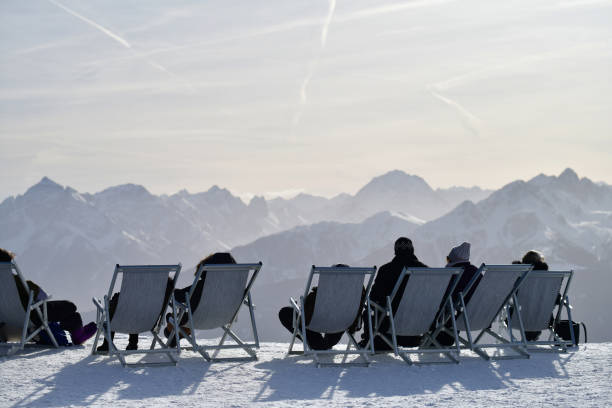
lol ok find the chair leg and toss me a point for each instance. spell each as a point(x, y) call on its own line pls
point(246, 348)
point(225, 330)
point(46, 324)
point(294, 334)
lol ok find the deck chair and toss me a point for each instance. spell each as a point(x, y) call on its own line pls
point(537, 298)
point(425, 303)
point(495, 291)
point(226, 288)
point(139, 309)
point(337, 304)
point(14, 318)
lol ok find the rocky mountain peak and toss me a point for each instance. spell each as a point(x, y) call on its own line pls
point(569, 176)
point(46, 186)
point(395, 180)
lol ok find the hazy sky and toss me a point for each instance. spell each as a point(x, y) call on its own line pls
point(316, 96)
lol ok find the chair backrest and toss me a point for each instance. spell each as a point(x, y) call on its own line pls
point(338, 297)
point(537, 297)
point(141, 297)
point(422, 297)
point(495, 288)
point(225, 288)
point(12, 312)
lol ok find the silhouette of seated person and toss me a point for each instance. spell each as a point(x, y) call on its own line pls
point(133, 337)
point(384, 283)
point(63, 312)
point(180, 295)
point(535, 258)
point(316, 340)
point(459, 257)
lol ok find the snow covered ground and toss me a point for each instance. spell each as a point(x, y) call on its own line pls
point(72, 377)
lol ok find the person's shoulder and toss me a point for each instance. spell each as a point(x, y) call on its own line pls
point(540, 266)
point(415, 263)
point(470, 267)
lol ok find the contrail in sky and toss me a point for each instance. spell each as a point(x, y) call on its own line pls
point(312, 66)
point(123, 42)
point(471, 122)
point(93, 24)
point(330, 15)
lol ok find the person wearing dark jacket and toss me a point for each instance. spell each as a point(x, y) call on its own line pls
point(181, 294)
point(316, 340)
point(133, 337)
point(536, 259)
point(384, 283)
point(459, 257)
point(63, 312)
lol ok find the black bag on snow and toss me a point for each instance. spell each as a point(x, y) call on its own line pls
point(563, 328)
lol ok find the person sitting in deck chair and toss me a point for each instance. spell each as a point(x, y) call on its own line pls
point(63, 312)
point(316, 340)
point(535, 258)
point(384, 283)
point(459, 257)
point(180, 294)
point(133, 337)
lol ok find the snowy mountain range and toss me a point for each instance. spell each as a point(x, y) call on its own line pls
point(567, 218)
point(69, 242)
point(55, 228)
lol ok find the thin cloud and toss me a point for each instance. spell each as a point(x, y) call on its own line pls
point(393, 8)
point(583, 3)
point(294, 25)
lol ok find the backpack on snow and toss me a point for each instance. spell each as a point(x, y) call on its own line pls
point(563, 328)
point(58, 333)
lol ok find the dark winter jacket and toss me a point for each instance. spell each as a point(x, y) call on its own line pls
point(540, 266)
point(217, 258)
point(387, 277)
point(469, 271)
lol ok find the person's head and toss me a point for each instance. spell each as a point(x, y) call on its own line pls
point(459, 254)
point(6, 255)
point(403, 246)
point(533, 257)
point(217, 258)
point(340, 266)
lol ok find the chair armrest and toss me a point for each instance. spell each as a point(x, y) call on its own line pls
point(98, 304)
point(566, 303)
point(294, 304)
point(39, 303)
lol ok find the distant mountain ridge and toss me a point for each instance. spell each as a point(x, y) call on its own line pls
point(395, 191)
point(55, 228)
point(70, 241)
point(553, 214)
point(568, 218)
